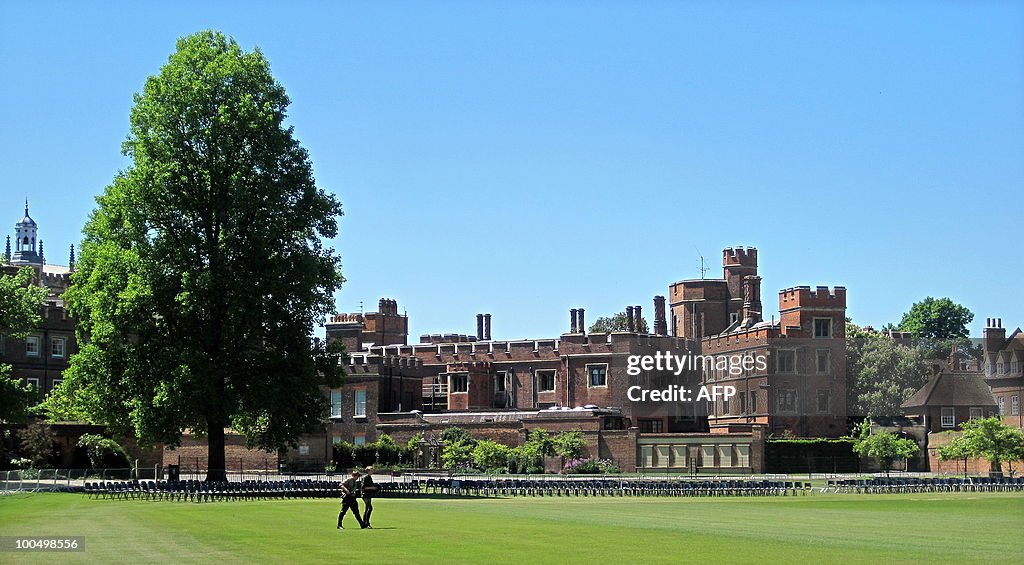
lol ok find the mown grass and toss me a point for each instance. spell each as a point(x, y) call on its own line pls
point(926, 528)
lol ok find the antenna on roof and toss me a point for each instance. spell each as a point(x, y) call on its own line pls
point(703, 269)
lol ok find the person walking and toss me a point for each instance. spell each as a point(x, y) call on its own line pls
point(349, 499)
point(369, 491)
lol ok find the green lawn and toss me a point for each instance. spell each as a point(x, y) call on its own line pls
point(808, 530)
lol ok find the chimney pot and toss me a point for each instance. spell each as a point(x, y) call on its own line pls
point(630, 322)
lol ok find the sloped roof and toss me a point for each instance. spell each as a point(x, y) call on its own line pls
point(952, 389)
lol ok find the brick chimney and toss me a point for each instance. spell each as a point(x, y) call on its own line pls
point(487, 327)
point(660, 325)
point(630, 322)
point(479, 326)
point(573, 328)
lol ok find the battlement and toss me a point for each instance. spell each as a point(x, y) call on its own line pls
point(742, 256)
point(446, 338)
point(804, 297)
point(387, 307)
point(346, 318)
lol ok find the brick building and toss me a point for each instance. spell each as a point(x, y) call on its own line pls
point(40, 358)
point(1004, 370)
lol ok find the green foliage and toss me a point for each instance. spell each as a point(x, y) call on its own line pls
point(457, 455)
point(454, 434)
point(937, 318)
point(342, 455)
point(884, 446)
point(881, 374)
point(526, 458)
point(616, 323)
point(388, 452)
point(38, 445)
point(203, 272)
point(365, 454)
point(989, 439)
point(20, 303)
point(103, 452)
point(490, 456)
point(570, 444)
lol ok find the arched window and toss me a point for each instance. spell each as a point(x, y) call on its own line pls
point(25, 245)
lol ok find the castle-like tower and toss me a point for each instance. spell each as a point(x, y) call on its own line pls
point(25, 233)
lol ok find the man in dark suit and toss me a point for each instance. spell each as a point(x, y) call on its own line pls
point(369, 491)
point(350, 491)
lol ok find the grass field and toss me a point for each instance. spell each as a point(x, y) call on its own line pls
point(928, 528)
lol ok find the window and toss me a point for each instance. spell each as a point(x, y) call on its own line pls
point(787, 401)
point(499, 381)
point(336, 404)
point(335, 439)
point(303, 449)
point(707, 456)
point(977, 413)
point(57, 347)
point(32, 382)
point(734, 317)
point(459, 382)
point(1001, 367)
point(824, 361)
point(360, 411)
point(785, 361)
point(359, 439)
point(546, 380)
point(725, 456)
point(743, 402)
point(742, 455)
point(32, 346)
point(753, 402)
point(1002, 405)
point(56, 383)
point(1014, 405)
point(948, 417)
point(725, 407)
point(824, 398)
point(650, 426)
point(822, 327)
point(598, 375)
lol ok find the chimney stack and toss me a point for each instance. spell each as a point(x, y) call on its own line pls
point(660, 325)
point(636, 319)
point(487, 327)
point(479, 326)
point(572, 316)
point(630, 323)
point(583, 325)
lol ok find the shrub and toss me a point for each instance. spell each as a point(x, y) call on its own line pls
point(342, 458)
point(590, 466)
point(570, 444)
point(490, 456)
point(457, 455)
point(103, 452)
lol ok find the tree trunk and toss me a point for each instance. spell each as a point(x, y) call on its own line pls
point(215, 464)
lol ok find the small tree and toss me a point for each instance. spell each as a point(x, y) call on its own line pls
point(616, 323)
point(884, 446)
point(937, 318)
point(457, 455)
point(20, 303)
point(490, 456)
point(989, 439)
point(343, 455)
point(570, 444)
point(103, 452)
point(38, 444)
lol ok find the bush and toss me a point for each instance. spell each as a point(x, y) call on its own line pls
point(388, 452)
point(457, 455)
point(570, 444)
point(590, 466)
point(343, 455)
point(490, 456)
point(38, 444)
point(365, 454)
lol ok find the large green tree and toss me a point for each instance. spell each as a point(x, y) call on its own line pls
point(616, 323)
point(937, 318)
point(884, 446)
point(21, 301)
point(203, 273)
point(880, 373)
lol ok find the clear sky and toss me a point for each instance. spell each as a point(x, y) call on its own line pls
point(525, 158)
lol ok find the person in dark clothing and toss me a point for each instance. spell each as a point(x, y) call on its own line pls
point(369, 491)
point(349, 499)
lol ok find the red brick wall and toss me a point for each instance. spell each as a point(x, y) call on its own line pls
point(193, 452)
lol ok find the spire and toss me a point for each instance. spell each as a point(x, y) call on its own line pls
point(41, 256)
point(26, 206)
point(7, 254)
point(71, 262)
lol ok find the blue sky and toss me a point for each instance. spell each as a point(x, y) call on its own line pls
point(525, 158)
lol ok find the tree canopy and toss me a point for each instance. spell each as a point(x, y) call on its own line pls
point(936, 318)
point(20, 303)
point(884, 446)
point(616, 323)
point(881, 374)
point(203, 272)
point(986, 438)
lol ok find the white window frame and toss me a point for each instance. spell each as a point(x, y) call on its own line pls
point(976, 412)
point(590, 380)
point(1001, 404)
point(947, 416)
point(778, 401)
point(33, 382)
point(63, 341)
point(56, 383)
point(1014, 405)
point(554, 380)
point(359, 411)
point(33, 349)
point(336, 399)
